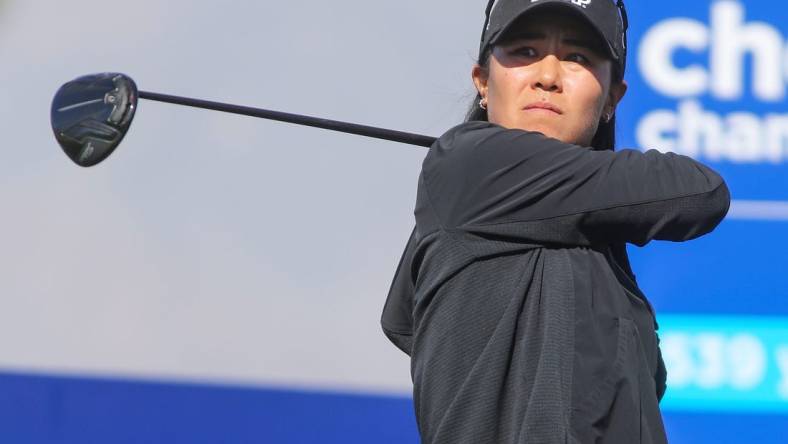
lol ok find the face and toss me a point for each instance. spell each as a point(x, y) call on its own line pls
point(549, 75)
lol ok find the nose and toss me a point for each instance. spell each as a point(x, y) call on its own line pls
point(548, 74)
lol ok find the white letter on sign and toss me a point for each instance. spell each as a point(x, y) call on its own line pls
point(656, 57)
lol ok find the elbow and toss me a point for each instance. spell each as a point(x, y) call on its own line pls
point(691, 217)
point(717, 203)
point(708, 211)
point(720, 203)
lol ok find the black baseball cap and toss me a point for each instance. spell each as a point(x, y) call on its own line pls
point(607, 17)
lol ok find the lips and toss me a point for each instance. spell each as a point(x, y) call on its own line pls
point(546, 106)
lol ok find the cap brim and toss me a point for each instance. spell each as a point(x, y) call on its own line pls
point(562, 6)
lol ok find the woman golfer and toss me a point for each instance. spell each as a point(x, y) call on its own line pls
point(514, 296)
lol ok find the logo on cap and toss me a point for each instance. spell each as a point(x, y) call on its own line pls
point(581, 3)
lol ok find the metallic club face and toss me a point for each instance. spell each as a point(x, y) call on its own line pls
point(91, 114)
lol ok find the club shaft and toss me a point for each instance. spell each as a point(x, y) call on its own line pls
point(345, 127)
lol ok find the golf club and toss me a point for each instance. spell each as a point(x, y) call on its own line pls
point(91, 115)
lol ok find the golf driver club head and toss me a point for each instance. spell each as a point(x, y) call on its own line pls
point(91, 114)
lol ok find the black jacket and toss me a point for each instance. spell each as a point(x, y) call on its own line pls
point(514, 296)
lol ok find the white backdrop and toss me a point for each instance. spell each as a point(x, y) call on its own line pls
point(214, 247)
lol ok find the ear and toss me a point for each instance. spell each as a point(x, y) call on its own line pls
point(480, 77)
point(617, 91)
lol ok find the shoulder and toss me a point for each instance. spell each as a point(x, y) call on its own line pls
point(468, 134)
point(466, 129)
point(471, 142)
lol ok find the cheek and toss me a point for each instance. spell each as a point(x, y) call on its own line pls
point(587, 95)
point(506, 84)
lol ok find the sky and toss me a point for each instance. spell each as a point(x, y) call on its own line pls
point(215, 247)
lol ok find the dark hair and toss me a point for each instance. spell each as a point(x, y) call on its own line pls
point(604, 139)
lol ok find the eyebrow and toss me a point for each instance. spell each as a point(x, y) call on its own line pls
point(573, 41)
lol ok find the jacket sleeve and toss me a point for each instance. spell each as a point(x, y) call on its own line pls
point(489, 180)
point(397, 318)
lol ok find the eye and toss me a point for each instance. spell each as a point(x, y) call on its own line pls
point(526, 51)
point(578, 58)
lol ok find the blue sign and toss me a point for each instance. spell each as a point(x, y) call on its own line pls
point(725, 363)
point(710, 80)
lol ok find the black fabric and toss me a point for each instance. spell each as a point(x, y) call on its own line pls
point(514, 296)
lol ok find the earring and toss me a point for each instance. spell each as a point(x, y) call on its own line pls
point(608, 116)
point(483, 103)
